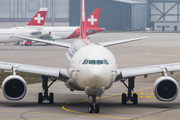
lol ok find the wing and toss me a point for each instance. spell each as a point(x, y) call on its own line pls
point(120, 41)
point(146, 70)
point(62, 44)
point(58, 73)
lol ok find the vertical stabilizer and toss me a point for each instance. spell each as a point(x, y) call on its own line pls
point(93, 19)
point(39, 18)
point(83, 21)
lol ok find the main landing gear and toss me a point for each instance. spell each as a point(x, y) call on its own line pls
point(129, 97)
point(44, 96)
point(93, 107)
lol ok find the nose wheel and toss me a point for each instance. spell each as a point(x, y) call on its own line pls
point(129, 97)
point(93, 107)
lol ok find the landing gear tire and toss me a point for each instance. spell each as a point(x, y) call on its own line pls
point(44, 96)
point(90, 109)
point(135, 99)
point(124, 99)
point(96, 108)
point(51, 98)
point(40, 98)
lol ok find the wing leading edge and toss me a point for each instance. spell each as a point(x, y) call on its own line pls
point(58, 73)
point(146, 70)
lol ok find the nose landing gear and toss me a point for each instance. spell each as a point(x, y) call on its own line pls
point(129, 97)
point(93, 107)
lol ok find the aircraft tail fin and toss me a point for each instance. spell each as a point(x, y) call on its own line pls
point(39, 18)
point(83, 21)
point(93, 19)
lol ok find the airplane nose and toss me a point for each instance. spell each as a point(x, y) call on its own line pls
point(96, 71)
point(96, 76)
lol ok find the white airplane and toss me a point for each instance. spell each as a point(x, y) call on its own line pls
point(33, 29)
point(91, 68)
point(74, 32)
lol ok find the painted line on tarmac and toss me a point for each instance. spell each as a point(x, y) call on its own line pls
point(142, 95)
point(103, 116)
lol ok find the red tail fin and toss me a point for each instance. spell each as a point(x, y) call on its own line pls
point(83, 21)
point(93, 19)
point(39, 18)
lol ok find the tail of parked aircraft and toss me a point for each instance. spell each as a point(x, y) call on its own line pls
point(39, 19)
point(83, 21)
point(93, 19)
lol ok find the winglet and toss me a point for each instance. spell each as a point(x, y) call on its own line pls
point(93, 19)
point(83, 21)
point(38, 19)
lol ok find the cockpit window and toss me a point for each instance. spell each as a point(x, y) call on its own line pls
point(92, 62)
point(99, 62)
point(106, 62)
point(85, 61)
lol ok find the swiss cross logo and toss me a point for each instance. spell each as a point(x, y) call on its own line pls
point(92, 20)
point(39, 18)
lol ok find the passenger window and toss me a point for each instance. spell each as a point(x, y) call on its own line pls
point(106, 62)
point(99, 62)
point(92, 62)
point(85, 61)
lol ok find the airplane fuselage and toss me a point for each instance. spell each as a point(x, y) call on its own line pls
point(8, 35)
point(92, 68)
point(69, 32)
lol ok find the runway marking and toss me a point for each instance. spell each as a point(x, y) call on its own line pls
point(104, 116)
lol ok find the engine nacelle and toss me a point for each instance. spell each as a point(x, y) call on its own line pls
point(166, 88)
point(14, 87)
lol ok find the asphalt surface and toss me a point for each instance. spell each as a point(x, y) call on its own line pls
point(159, 48)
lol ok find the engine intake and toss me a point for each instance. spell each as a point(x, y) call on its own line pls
point(166, 88)
point(14, 87)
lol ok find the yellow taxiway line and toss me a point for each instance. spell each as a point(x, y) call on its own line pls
point(103, 116)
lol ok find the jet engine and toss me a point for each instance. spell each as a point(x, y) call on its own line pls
point(166, 88)
point(14, 87)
